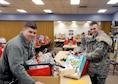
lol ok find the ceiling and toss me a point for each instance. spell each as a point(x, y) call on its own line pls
point(59, 7)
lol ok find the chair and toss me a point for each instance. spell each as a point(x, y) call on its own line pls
point(115, 67)
point(114, 61)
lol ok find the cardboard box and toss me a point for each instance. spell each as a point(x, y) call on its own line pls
point(47, 79)
point(66, 72)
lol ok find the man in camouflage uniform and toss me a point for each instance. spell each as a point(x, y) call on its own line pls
point(97, 53)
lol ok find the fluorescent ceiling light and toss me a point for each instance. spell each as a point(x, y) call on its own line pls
point(74, 2)
point(47, 11)
point(102, 10)
point(73, 21)
point(38, 2)
point(112, 2)
point(21, 10)
point(4, 2)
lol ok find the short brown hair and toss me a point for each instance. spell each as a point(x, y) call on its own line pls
point(31, 24)
point(93, 23)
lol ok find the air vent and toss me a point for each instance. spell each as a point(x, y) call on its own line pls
point(82, 6)
point(115, 6)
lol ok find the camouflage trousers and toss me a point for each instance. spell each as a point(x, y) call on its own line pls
point(97, 80)
point(9, 82)
point(4, 82)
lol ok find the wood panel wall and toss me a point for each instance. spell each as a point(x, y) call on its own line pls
point(46, 28)
point(9, 29)
point(106, 26)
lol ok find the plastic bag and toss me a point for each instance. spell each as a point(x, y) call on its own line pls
point(47, 58)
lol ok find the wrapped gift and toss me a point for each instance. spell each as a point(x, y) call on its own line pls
point(67, 41)
point(77, 63)
point(74, 42)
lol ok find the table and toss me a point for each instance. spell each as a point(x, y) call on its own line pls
point(63, 80)
point(69, 46)
point(59, 42)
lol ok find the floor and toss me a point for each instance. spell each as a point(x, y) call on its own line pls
point(111, 79)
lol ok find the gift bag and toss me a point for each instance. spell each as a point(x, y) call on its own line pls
point(40, 70)
point(40, 65)
point(77, 63)
point(46, 69)
point(45, 66)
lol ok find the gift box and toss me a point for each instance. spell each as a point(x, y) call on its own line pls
point(47, 79)
point(77, 63)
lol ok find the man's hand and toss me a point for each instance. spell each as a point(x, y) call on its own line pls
point(39, 83)
point(84, 53)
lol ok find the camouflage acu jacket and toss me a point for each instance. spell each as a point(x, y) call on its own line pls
point(98, 54)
